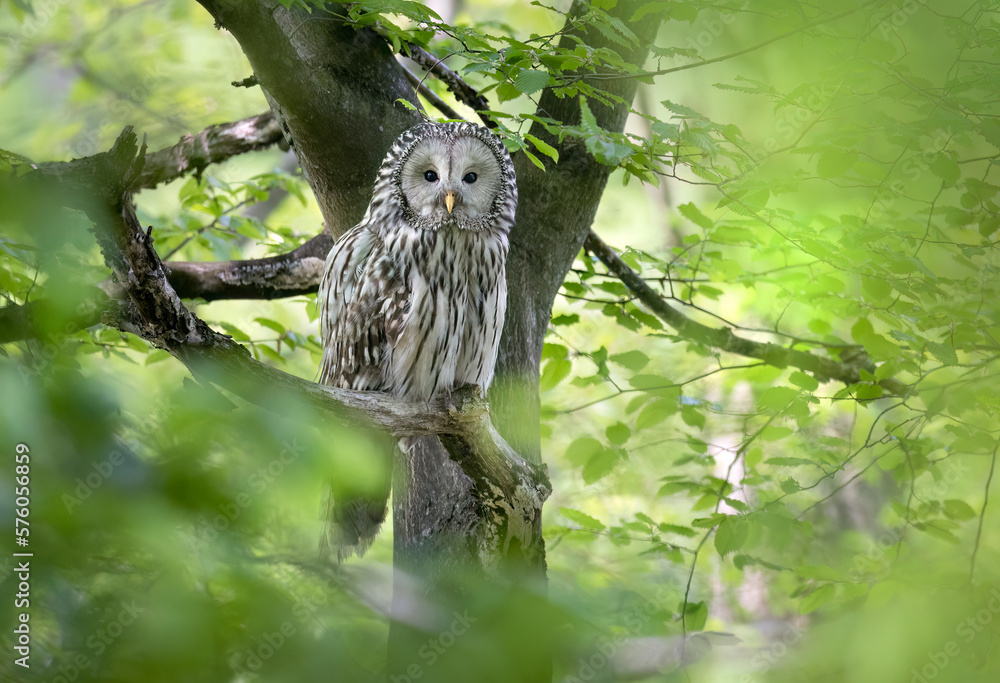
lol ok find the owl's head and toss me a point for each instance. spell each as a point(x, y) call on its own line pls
point(453, 173)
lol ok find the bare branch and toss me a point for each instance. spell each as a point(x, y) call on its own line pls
point(724, 339)
point(291, 274)
point(463, 92)
point(431, 96)
point(296, 272)
point(212, 145)
point(982, 515)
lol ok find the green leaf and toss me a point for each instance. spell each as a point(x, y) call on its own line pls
point(266, 350)
point(801, 379)
point(945, 167)
point(507, 91)
point(816, 599)
point(943, 352)
point(709, 522)
point(533, 159)
point(235, 332)
point(788, 462)
point(958, 509)
point(684, 531)
point(790, 486)
point(554, 372)
point(692, 416)
point(773, 433)
point(583, 449)
point(618, 433)
point(868, 392)
point(835, 162)
point(935, 529)
point(731, 534)
point(694, 214)
point(600, 465)
point(270, 324)
point(571, 319)
point(581, 519)
point(990, 129)
point(695, 615)
point(543, 147)
point(777, 399)
point(633, 360)
point(530, 81)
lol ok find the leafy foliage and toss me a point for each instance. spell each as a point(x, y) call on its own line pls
point(822, 179)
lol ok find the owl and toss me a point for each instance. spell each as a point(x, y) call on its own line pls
point(412, 299)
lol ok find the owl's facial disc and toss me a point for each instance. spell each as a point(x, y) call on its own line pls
point(451, 180)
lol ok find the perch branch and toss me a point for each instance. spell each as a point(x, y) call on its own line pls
point(823, 369)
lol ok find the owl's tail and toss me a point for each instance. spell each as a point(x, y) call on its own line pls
point(354, 517)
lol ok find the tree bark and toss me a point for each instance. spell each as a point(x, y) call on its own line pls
point(556, 209)
point(334, 91)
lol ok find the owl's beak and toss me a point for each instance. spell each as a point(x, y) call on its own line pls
point(449, 200)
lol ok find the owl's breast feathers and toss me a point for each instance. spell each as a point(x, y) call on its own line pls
point(412, 312)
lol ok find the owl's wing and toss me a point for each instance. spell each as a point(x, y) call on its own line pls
point(359, 299)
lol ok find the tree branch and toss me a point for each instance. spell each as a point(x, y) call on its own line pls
point(823, 369)
point(291, 274)
point(463, 92)
point(32, 320)
point(296, 272)
point(210, 146)
point(430, 95)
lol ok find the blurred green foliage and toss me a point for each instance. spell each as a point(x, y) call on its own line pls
point(826, 181)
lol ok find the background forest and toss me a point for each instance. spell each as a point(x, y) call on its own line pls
point(771, 426)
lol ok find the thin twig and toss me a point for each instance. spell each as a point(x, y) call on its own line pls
point(982, 513)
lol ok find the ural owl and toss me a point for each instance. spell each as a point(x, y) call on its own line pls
point(412, 299)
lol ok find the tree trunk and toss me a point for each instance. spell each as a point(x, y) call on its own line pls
point(321, 79)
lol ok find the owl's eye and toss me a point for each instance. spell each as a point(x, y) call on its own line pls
point(469, 178)
point(430, 176)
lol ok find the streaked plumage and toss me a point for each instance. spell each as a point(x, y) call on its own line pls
point(412, 299)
